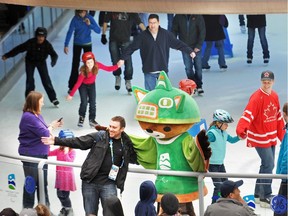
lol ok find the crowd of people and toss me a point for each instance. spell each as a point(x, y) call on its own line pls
point(262, 123)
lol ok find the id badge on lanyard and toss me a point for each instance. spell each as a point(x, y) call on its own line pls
point(114, 169)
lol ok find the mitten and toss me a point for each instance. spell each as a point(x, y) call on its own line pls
point(103, 39)
point(204, 143)
point(100, 127)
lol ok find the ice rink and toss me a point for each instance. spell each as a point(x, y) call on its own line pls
point(229, 90)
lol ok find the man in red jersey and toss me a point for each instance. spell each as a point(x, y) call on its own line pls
point(262, 123)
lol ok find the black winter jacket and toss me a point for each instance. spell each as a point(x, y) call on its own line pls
point(35, 52)
point(214, 27)
point(256, 21)
point(98, 143)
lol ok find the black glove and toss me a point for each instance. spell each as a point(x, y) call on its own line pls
point(53, 63)
point(103, 39)
point(204, 143)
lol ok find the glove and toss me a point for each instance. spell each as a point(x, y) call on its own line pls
point(204, 143)
point(53, 63)
point(99, 127)
point(103, 39)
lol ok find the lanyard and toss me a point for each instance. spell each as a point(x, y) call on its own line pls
point(112, 154)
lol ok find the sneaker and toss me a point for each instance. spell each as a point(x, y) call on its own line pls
point(257, 199)
point(117, 82)
point(56, 103)
point(265, 203)
point(81, 121)
point(243, 29)
point(249, 60)
point(223, 67)
point(266, 60)
point(206, 67)
point(128, 86)
point(93, 123)
point(200, 91)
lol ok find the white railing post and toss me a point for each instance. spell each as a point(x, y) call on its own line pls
point(41, 182)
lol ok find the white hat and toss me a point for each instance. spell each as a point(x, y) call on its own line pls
point(28, 212)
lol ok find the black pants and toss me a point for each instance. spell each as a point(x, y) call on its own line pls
point(45, 78)
point(75, 63)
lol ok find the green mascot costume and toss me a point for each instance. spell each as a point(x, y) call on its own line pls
point(165, 114)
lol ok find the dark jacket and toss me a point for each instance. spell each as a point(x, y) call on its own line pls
point(190, 30)
point(121, 25)
point(155, 53)
point(98, 143)
point(35, 52)
point(256, 21)
point(214, 27)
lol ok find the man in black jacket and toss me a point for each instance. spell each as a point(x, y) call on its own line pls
point(191, 30)
point(154, 44)
point(38, 49)
point(106, 165)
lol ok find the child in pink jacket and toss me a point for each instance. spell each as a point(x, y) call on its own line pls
point(65, 181)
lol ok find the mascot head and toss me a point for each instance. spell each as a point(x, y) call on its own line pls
point(165, 112)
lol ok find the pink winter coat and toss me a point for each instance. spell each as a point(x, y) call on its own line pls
point(64, 175)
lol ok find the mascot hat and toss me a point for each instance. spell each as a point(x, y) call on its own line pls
point(165, 104)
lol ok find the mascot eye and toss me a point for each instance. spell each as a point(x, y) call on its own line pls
point(149, 130)
point(167, 129)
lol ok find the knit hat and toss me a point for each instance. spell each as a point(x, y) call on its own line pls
point(169, 204)
point(228, 187)
point(267, 75)
point(8, 212)
point(28, 212)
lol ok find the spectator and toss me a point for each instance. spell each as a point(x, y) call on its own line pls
point(169, 205)
point(43, 210)
point(32, 127)
point(28, 212)
point(114, 206)
point(215, 34)
point(262, 123)
point(81, 24)
point(87, 89)
point(253, 22)
point(148, 195)
point(65, 180)
point(230, 203)
point(8, 212)
point(154, 44)
point(119, 39)
point(102, 174)
point(242, 23)
point(191, 30)
point(38, 49)
point(282, 162)
point(218, 136)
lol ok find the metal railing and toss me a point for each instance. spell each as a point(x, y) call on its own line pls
point(198, 175)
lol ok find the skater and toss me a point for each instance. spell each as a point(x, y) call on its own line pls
point(218, 136)
point(38, 49)
point(65, 180)
point(81, 24)
point(87, 89)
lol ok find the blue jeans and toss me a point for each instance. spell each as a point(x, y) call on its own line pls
point(220, 48)
point(197, 62)
point(263, 186)
point(92, 192)
point(31, 169)
point(44, 75)
point(64, 198)
point(241, 20)
point(76, 62)
point(150, 80)
point(217, 181)
point(116, 50)
point(263, 41)
point(87, 94)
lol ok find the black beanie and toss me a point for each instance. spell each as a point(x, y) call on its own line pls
point(169, 204)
